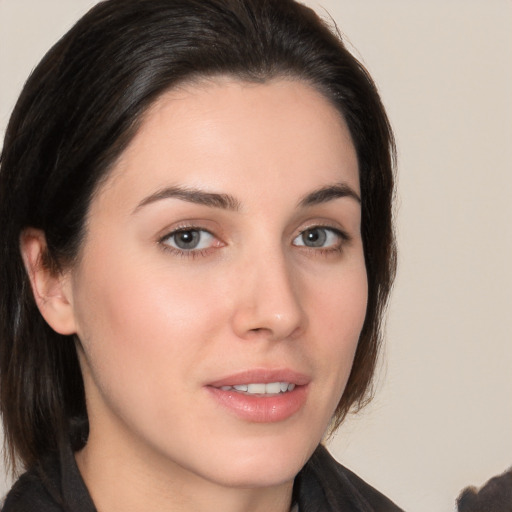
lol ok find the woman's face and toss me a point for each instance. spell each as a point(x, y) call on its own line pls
point(221, 287)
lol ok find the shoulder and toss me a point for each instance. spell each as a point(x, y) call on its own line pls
point(324, 484)
point(53, 485)
point(31, 494)
point(37, 490)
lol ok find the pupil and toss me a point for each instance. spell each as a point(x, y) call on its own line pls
point(314, 237)
point(187, 239)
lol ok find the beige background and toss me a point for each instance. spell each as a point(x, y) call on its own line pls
point(442, 418)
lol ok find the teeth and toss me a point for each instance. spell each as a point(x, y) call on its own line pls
point(272, 388)
point(256, 389)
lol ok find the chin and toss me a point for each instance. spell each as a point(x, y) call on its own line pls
point(261, 462)
point(255, 474)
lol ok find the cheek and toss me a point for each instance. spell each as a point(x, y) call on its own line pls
point(134, 321)
point(135, 291)
point(338, 312)
point(340, 302)
point(145, 338)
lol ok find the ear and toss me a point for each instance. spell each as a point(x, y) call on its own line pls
point(51, 287)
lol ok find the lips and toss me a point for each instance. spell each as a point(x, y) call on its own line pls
point(264, 376)
point(261, 396)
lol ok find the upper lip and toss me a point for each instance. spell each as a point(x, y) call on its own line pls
point(262, 375)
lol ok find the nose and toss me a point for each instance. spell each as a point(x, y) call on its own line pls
point(268, 300)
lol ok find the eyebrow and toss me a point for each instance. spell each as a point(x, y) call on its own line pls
point(229, 202)
point(193, 195)
point(329, 193)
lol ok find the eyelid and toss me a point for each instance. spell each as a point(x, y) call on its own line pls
point(342, 235)
point(325, 224)
point(193, 252)
point(188, 225)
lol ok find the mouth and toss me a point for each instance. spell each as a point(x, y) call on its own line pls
point(261, 396)
point(271, 388)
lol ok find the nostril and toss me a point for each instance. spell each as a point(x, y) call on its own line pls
point(258, 329)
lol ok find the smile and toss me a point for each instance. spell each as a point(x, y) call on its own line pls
point(271, 388)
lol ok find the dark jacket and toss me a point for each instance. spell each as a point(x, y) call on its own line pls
point(323, 485)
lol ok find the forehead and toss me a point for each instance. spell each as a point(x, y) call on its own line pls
point(227, 134)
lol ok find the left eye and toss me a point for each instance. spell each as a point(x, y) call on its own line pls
point(189, 239)
point(318, 237)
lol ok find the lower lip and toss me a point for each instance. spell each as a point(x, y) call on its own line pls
point(260, 408)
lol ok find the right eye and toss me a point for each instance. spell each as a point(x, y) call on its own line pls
point(189, 239)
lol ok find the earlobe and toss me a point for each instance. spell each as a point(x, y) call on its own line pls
point(50, 286)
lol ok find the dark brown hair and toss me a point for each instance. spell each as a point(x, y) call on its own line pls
point(79, 110)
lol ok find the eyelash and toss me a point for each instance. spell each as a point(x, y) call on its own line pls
point(343, 239)
point(195, 253)
point(190, 253)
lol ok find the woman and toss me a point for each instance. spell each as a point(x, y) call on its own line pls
point(196, 216)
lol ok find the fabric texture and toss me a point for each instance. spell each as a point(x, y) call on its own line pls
point(323, 485)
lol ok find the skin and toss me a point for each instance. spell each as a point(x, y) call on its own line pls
point(157, 324)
